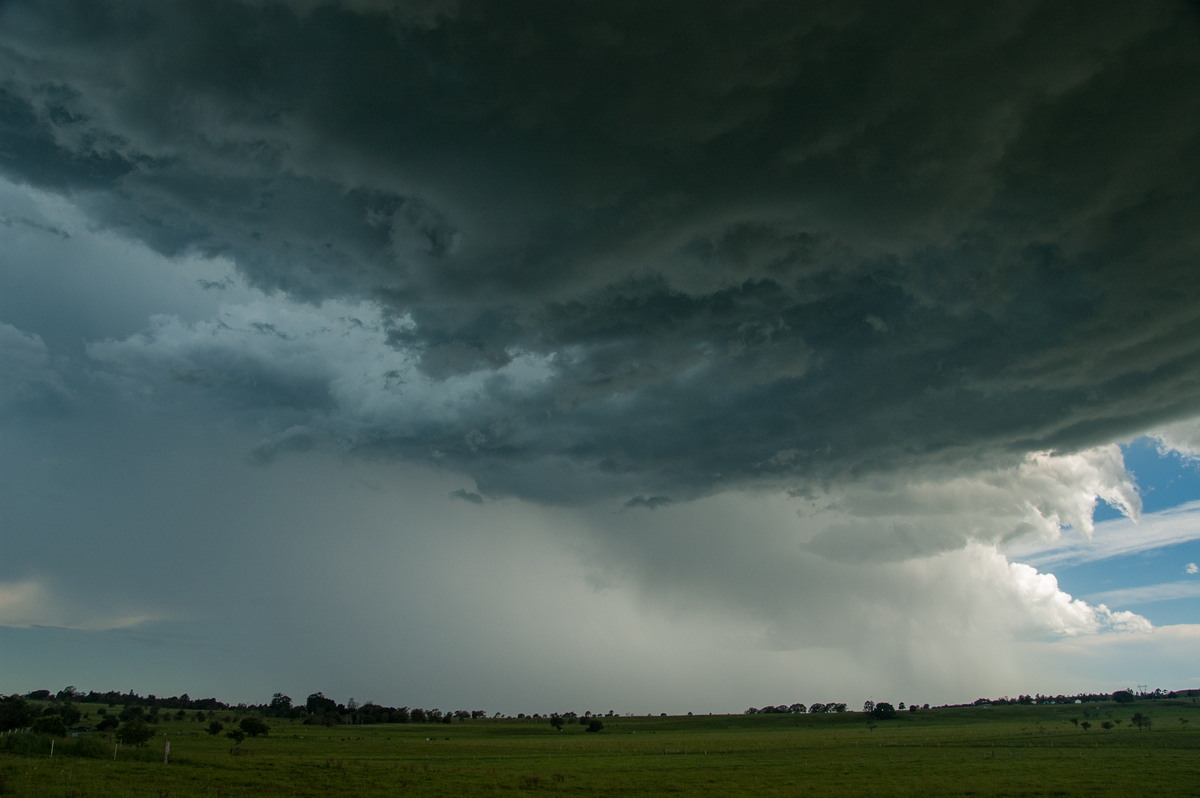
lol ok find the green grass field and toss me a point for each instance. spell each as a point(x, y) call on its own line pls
point(1004, 750)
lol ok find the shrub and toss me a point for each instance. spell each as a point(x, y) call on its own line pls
point(15, 713)
point(49, 724)
point(253, 727)
point(135, 732)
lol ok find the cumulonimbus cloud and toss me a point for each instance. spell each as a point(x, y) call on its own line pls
point(772, 247)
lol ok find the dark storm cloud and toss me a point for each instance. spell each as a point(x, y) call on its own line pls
point(291, 440)
point(752, 242)
point(31, 385)
point(466, 496)
point(648, 502)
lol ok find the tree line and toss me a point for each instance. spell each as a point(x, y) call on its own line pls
point(55, 713)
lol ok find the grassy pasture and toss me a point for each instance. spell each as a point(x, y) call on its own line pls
point(1010, 750)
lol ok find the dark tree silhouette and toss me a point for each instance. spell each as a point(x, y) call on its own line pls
point(15, 713)
point(50, 724)
point(135, 731)
point(254, 727)
point(883, 711)
point(280, 706)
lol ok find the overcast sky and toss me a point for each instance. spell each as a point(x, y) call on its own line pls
point(529, 356)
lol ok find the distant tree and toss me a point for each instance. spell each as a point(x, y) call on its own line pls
point(318, 704)
point(816, 709)
point(253, 727)
point(135, 731)
point(1085, 725)
point(107, 723)
point(237, 735)
point(69, 713)
point(868, 706)
point(280, 706)
point(215, 728)
point(594, 725)
point(1107, 725)
point(15, 713)
point(901, 707)
point(1141, 721)
point(556, 722)
point(883, 711)
point(49, 724)
point(1123, 696)
point(797, 709)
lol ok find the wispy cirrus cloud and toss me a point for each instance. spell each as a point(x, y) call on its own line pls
point(1147, 594)
point(1119, 537)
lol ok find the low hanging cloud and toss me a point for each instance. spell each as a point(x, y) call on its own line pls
point(31, 383)
point(467, 496)
point(648, 502)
